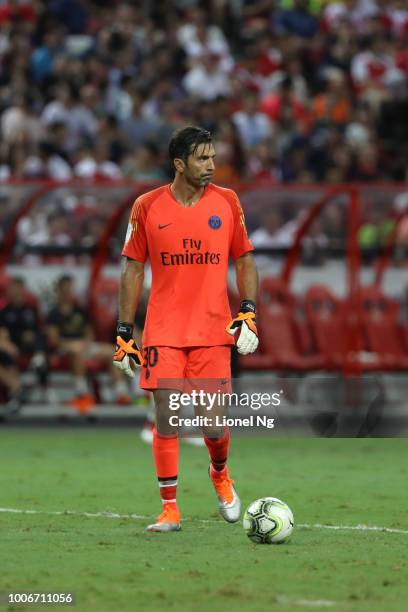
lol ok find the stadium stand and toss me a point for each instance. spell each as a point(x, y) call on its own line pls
point(90, 89)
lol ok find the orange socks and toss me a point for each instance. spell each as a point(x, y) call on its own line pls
point(165, 453)
point(218, 450)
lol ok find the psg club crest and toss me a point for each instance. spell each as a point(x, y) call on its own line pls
point(214, 222)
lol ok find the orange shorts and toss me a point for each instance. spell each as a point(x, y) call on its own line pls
point(167, 365)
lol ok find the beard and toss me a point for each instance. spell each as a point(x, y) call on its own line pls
point(204, 181)
point(198, 181)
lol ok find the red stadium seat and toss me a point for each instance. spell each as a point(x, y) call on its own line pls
point(336, 337)
point(383, 334)
point(279, 345)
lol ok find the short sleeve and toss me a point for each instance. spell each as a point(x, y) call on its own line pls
point(240, 243)
point(136, 242)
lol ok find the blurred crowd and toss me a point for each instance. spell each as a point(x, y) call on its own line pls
point(293, 90)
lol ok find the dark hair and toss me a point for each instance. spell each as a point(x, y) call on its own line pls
point(184, 142)
point(65, 278)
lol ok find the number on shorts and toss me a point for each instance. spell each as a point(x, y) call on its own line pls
point(151, 357)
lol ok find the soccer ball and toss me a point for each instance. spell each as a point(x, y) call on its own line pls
point(268, 521)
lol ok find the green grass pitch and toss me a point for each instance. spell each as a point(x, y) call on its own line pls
point(113, 564)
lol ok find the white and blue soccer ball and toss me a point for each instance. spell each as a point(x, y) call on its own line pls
point(268, 520)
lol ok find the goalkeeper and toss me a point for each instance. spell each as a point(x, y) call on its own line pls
point(188, 230)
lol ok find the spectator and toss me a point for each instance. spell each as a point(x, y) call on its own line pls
point(92, 230)
point(118, 101)
point(56, 136)
point(137, 128)
point(276, 231)
point(269, 234)
point(368, 164)
point(335, 225)
point(94, 164)
point(377, 228)
point(277, 105)
point(142, 164)
point(314, 244)
point(230, 153)
point(73, 14)
point(361, 128)
point(169, 120)
point(260, 9)
point(53, 229)
point(43, 58)
point(19, 123)
point(336, 13)
point(197, 38)
point(59, 108)
point(47, 164)
point(9, 373)
point(298, 20)
point(268, 55)
point(70, 335)
point(110, 135)
point(333, 104)
point(253, 125)
point(207, 79)
point(372, 67)
point(342, 46)
point(340, 165)
point(262, 163)
point(76, 111)
point(22, 342)
point(12, 11)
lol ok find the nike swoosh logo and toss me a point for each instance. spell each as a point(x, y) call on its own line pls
point(163, 226)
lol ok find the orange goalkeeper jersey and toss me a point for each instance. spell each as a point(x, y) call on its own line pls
point(188, 248)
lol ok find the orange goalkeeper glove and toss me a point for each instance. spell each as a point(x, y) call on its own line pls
point(127, 355)
point(245, 321)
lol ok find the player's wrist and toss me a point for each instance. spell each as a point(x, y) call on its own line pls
point(247, 306)
point(124, 330)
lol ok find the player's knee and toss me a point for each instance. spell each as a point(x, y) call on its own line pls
point(213, 432)
point(166, 421)
point(165, 429)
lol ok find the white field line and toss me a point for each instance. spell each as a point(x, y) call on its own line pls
point(316, 603)
point(75, 513)
point(142, 517)
point(353, 528)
